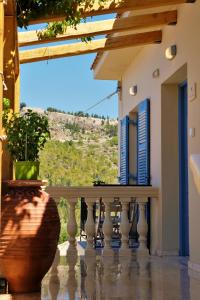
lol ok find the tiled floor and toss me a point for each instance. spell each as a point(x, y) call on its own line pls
point(118, 279)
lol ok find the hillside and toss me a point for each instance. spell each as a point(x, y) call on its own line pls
point(81, 150)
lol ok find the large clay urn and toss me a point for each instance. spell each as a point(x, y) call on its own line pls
point(30, 229)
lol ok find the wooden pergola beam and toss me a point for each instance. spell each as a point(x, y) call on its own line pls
point(28, 56)
point(11, 75)
point(9, 8)
point(103, 27)
point(112, 6)
point(1, 89)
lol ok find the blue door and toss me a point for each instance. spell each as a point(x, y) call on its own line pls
point(183, 171)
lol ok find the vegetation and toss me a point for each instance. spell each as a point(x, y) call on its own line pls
point(113, 141)
point(111, 130)
point(6, 105)
point(22, 105)
point(78, 113)
point(26, 134)
point(79, 163)
point(73, 127)
point(33, 9)
point(70, 164)
point(52, 109)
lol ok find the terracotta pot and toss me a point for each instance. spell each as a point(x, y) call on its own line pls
point(30, 229)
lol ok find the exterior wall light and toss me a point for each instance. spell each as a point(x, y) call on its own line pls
point(133, 90)
point(171, 52)
point(156, 73)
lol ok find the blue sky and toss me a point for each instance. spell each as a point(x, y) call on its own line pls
point(66, 84)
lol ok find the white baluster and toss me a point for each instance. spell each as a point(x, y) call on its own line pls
point(72, 228)
point(125, 228)
point(90, 227)
point(142, 228)
point(107, 228)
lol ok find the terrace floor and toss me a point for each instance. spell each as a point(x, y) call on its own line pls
point(118, 279)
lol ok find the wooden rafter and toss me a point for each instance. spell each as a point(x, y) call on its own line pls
point(113, 6)
point(47, 53)
point(103, 27)
point(9, 8)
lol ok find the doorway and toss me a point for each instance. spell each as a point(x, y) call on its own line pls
point(183, 170)
point(174, 154)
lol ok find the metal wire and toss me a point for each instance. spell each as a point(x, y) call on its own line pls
point(102, 100)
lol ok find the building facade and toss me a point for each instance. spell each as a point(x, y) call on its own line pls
point(159, 110)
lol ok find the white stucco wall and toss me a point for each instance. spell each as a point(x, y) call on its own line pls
point(186, 35)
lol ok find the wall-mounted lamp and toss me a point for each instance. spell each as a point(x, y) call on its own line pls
point(156, 73)
point(171, 52)
point(133, 90)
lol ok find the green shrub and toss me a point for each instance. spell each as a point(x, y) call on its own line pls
point(111, 130)
point(73, 127)
point(69, 164)
point(113, 141)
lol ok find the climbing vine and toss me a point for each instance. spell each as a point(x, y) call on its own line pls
point(30, 10)
point(53, 29)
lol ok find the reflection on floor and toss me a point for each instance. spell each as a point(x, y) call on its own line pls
point(117, 278)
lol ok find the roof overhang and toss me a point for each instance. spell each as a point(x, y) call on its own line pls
point(110, 65)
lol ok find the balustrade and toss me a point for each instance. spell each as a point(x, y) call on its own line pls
point(108, 196)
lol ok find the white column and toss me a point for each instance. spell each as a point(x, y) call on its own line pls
point(125, 228)
point(72, 227)
point(90, 227)
point(142, 228)
point(107, 228)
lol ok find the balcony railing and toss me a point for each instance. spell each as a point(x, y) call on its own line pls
point(108, 196)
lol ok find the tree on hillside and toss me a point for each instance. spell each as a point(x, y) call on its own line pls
point(22, 105)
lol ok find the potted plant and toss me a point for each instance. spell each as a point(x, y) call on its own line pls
point(30, 222)
point(26, 135)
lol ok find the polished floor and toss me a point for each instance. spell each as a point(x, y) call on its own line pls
point(118, 279)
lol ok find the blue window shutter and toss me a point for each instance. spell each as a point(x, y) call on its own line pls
point(124, 151)
point(143, 142)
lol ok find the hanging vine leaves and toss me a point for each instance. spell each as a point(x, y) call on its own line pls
point(28, 10)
